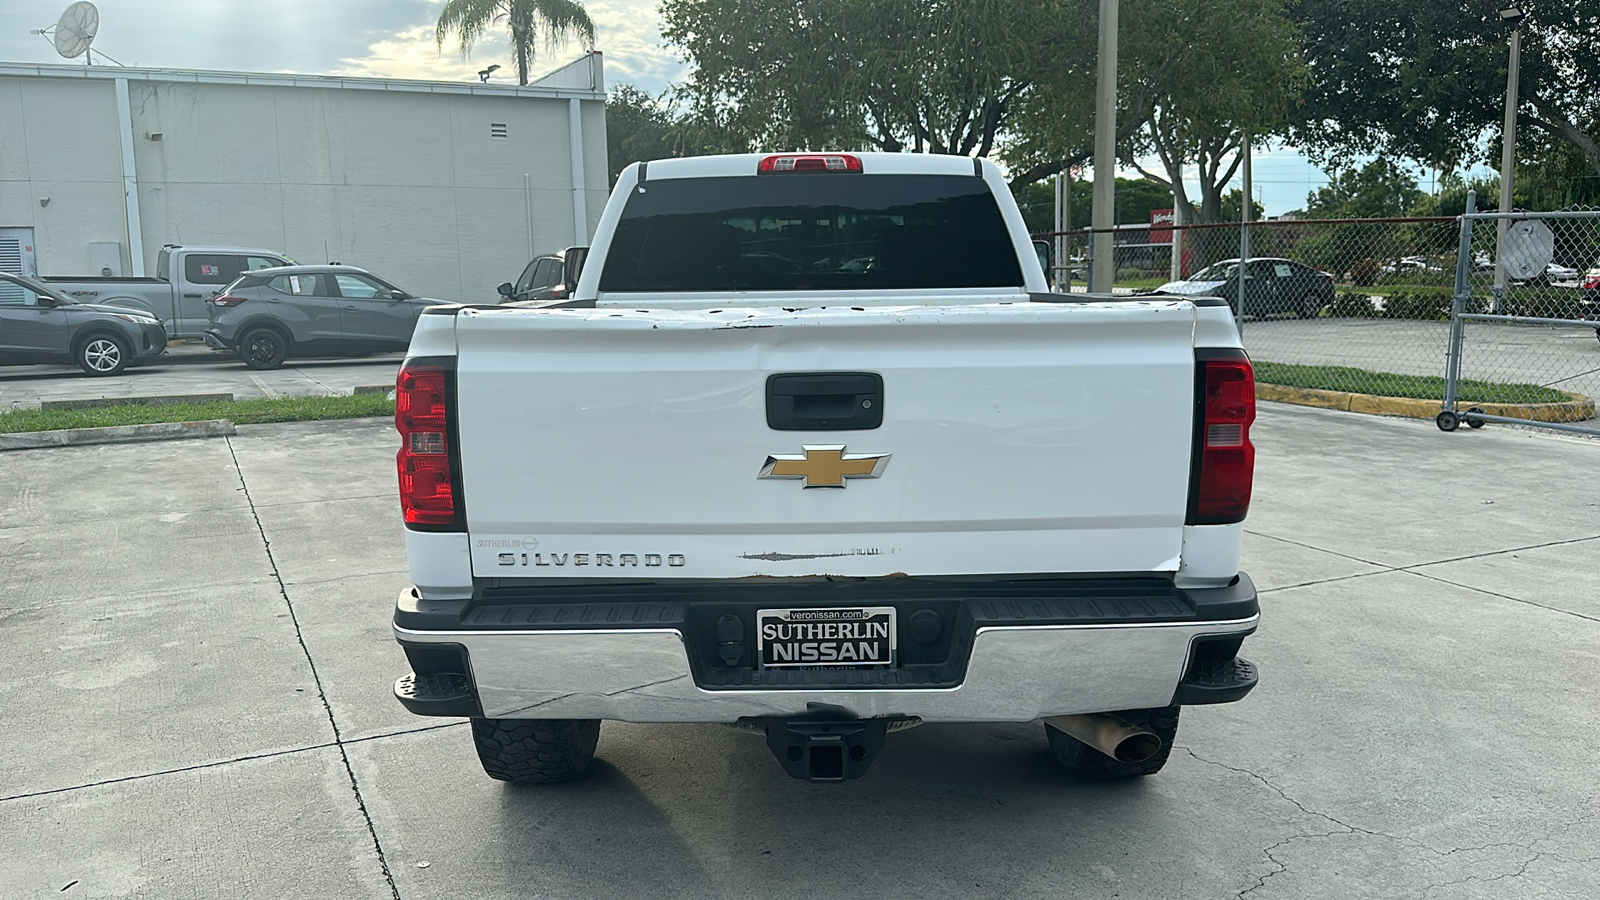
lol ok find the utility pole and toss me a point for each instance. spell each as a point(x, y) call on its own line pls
point(1508, 148)
point(1103, 268)
point(1245, 212)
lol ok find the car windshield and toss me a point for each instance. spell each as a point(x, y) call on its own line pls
point(1222, 271)
point(811, 232)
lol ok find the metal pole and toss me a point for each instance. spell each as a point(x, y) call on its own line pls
point(1061, 239)
point(1103, 269)
point(1458, 305)
point(1508, 160)
point(1176, 272)
point(1244, 229)
point(1066, 214)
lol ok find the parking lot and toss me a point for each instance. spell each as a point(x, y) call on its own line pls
point(192, 368)
point(197, 704)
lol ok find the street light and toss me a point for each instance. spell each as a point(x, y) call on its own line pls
point(483, 74)
point(1512, 17)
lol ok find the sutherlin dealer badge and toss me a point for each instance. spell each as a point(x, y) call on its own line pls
point(824, 465)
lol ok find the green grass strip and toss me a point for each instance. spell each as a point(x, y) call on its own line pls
point(240, 412)
point(1388, 384)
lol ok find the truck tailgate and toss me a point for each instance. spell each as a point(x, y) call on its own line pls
point(1023, 438)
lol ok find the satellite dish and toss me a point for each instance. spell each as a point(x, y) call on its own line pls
point(76, 29)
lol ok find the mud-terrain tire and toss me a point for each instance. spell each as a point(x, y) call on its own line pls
point(535, 751)
point(1085, 760)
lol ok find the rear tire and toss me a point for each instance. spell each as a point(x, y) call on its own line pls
point(535, 751)
point(102, 354)
point(263, 348)
point(1310, 307)
point(1085, 760)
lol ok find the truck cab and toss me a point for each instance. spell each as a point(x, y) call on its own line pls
point(186, 276)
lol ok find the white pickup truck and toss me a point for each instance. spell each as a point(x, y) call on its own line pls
point(811, 450)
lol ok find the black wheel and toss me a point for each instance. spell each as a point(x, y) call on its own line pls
point(102, 354)
point(1086, 760)
point(1310, 307)
point(1473, 422)
point(535, 751)
point(1447, 421)
point(263, 348)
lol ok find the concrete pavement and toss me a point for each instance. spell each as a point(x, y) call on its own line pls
point(197, 705)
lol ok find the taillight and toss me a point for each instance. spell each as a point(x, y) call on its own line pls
point(228, 300)
point(423, 394)
point(1224, 459)
point(809, 162)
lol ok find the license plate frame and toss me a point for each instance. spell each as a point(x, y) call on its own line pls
point(858, 628)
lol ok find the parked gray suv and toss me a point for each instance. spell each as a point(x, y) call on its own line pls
point(269, 315)
point(41, 325)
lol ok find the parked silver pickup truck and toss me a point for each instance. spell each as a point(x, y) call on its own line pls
point(186, 277)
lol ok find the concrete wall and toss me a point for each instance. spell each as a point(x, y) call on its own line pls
point(406, 183)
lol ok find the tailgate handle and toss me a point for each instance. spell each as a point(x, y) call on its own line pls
point(824, 401)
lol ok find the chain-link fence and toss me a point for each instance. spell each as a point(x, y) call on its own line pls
point(1364, 305)
point(1526, 314)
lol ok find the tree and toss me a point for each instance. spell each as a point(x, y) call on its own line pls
point(641, 127)
point(1425, 79)
point(1211, 71)
point(945, 77)
point(1136, 197)
point(1378, 190)
point(555, 20)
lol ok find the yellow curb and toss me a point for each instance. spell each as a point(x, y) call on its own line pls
point(1578, 409)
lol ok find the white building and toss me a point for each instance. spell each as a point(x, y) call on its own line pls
point(444, 188)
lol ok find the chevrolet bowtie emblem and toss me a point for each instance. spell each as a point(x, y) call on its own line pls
point(825, 465)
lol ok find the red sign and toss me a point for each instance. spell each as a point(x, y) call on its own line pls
point(1161, 222)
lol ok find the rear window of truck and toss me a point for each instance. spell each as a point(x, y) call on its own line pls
point(810, 232)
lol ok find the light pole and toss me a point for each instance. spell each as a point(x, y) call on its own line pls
point(1103, 262)
point(1512, 17)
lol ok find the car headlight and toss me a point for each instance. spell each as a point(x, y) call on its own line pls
point(137, 320)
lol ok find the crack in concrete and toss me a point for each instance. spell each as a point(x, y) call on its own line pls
point(1547, 608)
point(214, 764)
point(1280, 867)
point(316, 678)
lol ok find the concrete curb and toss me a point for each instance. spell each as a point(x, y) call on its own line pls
point(116, 434)
point(1578, 409)
point(371, 389)
point(157, 400)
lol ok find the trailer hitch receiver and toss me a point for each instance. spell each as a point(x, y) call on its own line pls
point(826, 750)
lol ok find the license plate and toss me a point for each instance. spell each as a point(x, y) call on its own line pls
point(833, 638)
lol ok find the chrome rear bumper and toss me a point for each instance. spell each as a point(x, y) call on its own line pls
point(1015, 674)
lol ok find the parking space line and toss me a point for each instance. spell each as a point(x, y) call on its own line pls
point(271, 394)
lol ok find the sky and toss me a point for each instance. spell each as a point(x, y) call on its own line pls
point(394, 39)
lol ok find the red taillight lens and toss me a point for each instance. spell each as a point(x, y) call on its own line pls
point(227, 300)
point(809, 162)
point(422, 398)
point(1225, 459)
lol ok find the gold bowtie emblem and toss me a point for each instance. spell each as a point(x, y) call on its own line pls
point(824, 465)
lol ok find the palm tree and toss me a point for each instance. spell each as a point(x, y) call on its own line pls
point(557, 19)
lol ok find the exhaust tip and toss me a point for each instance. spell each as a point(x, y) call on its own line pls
point(1137, 748)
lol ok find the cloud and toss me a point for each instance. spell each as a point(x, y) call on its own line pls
point(627, 32)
